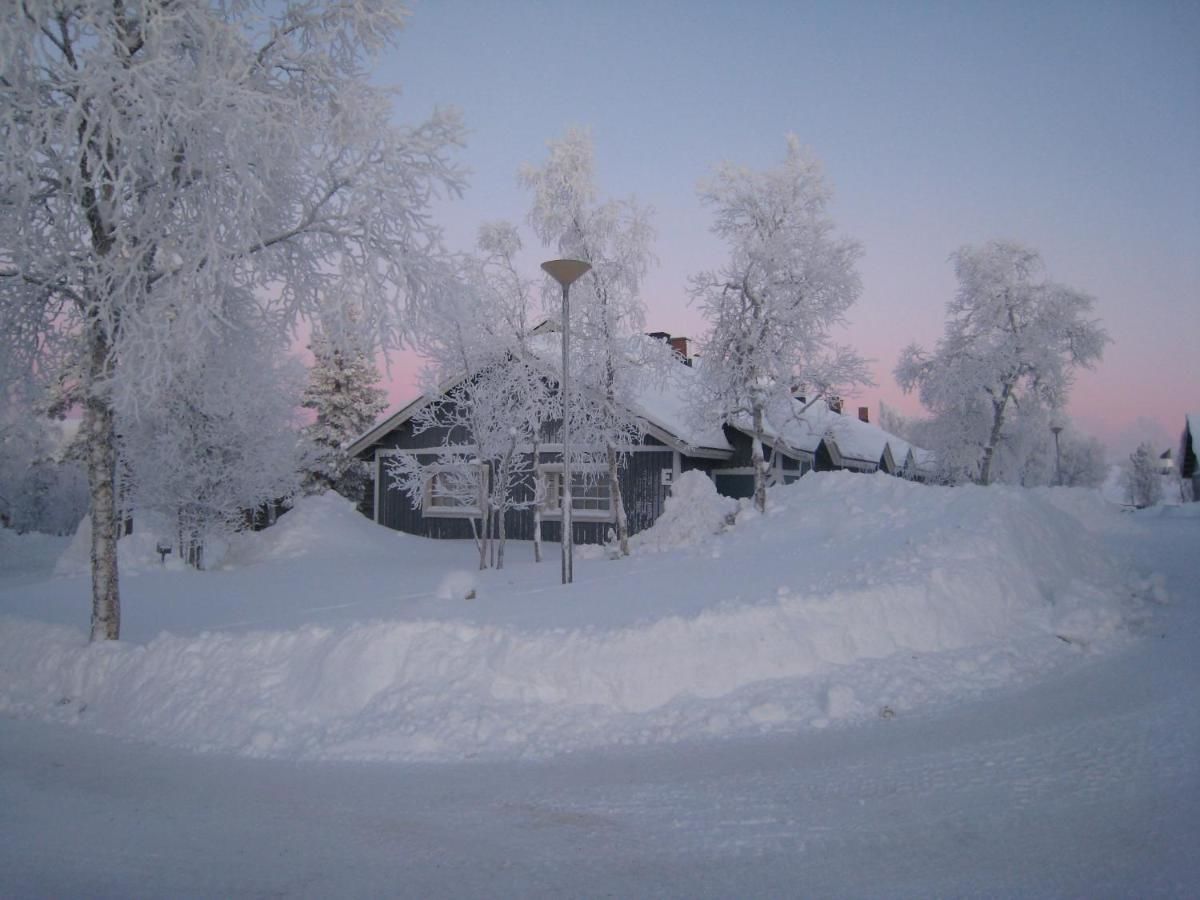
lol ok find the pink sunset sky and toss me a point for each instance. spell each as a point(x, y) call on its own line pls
point(1071, 127)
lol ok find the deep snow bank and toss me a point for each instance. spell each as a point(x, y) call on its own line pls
point(694, 514)
point(325, 525)
point(852, 594)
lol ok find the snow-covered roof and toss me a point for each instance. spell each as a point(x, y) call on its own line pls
point(854, 439)
point(395, 420)
point(661, 403)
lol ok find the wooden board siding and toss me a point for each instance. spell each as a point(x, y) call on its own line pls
point(640, 477)
point(742, 450)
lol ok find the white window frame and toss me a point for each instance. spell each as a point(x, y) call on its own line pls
point(791, 476)
point(550, 476)
point(432, 510)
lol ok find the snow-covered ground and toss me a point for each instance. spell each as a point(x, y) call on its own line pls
point(876, 689)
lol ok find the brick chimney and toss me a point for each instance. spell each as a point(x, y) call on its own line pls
point(864, 414)
point(680, 346)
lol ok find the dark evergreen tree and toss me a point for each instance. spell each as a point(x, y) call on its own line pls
point(342, 391)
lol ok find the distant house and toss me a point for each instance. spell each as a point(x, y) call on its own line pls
point(1166, 464)
point(1189, 471)
point(814, 439)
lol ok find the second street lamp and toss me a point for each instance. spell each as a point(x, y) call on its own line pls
point(566, 272)
point(1057, 429)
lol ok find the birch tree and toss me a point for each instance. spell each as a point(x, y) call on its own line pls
point(159, 160)
point(216, 441)
point(788, 281)
point(492, 418)
point(1011, 337)
point(615, 237)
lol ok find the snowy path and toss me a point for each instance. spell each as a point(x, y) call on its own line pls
point(1086, 785)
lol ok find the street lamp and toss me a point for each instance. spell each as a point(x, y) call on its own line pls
point(566, 272)
point(1057, 429)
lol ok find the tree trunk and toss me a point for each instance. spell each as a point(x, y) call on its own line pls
point(759, 462)
point(501, 536)
point(618, 500)
point(999, 408)
point(485, 519)
point(506, 489)
point(100, 428)
point(485, 523)
point(537, 506)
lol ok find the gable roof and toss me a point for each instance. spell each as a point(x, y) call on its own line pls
point(660, 404)
point(847, 437)
point(386, 426)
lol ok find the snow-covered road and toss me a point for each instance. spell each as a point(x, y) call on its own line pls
point(1087, 784)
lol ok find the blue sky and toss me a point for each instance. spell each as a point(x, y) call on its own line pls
point(1073, 127)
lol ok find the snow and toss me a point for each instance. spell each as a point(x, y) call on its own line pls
point(327, 637)
point(1078, 779)
point(661, 399)
point(664, 402)
point(693, 515)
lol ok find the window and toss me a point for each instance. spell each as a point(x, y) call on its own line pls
point(454, 491)
point(591, 494)
point(791, 475)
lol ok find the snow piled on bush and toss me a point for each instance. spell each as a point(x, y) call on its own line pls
point(325, 524)
point(853, 596)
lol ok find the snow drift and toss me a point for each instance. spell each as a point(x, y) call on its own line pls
point(852, 595)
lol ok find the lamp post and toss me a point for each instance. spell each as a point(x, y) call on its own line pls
point(1057, 429)
point(566, 272)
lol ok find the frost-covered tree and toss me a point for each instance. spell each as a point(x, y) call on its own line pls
point(615, 237)
point(1142, 478)
point(1011, 337)
point(477, 340)
point(1027, 454)
point(161, 160)
point(788, 281)
point(1084, 462)
point(342, 392)
point(216, 441)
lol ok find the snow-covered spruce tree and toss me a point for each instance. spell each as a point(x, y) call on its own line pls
point(1011, 337)
point(787, 282)
point(216, 441)
point(1141, 478)
point(476, 338)
point(615, 237)
point(342, 392)
point(159, 160)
